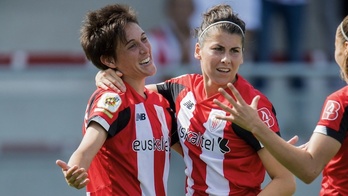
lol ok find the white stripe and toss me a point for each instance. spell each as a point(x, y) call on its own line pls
point(101, 121)
point(183, 119)
point(320, 129)
point(165, 132)
point(185, 113)
point(214, 159)
point(145, 158)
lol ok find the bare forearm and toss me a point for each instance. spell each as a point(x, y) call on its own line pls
point(296, 160)
point(81, 160)
point(279, 186)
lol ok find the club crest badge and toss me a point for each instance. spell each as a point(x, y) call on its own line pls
point(110, 102)
point(213, 124)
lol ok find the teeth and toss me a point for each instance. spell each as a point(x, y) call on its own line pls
point(145, 60)
point(223, 69)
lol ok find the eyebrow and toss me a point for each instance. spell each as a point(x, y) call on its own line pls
point(225, 46)
point(142, 34)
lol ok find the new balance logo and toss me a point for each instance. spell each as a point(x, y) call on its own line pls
point(188, 105)
point(140, 116)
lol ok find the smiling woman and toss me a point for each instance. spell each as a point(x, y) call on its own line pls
point(116, 124)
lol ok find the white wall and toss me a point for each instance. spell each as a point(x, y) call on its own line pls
point(42, 25)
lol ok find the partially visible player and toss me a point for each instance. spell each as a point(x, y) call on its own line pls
point(220, 157)
point(127, 136)
point(327, 149)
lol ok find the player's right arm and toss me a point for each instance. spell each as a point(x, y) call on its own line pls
point(306, 163)
point(110, 78)
point(75, 172)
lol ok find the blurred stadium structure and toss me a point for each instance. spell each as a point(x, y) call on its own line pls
point(46, 82)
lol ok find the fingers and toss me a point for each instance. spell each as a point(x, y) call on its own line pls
point(83, 184)
point(226, 109)
point(227, 96)
point(236, 93)
point(255, 102)
point(111, 79)
point(118, 73)
point(293, 140)
point(115, 80)
point(98, 78)
point(105, 84)
point(223, 106)
point(303, 146)
point(231, 100)
point(63, 165)
point(77, 177)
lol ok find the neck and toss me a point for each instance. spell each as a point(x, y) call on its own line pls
point(137, 85)
point(211, 88)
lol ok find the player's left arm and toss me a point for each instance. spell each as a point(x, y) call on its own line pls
point(282, 180)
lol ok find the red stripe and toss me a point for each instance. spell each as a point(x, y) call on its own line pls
point(34, 59)
point(53, 59)
point(29, 147)
point(5, 60)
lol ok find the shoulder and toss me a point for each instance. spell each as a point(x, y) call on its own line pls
point(339, 94)
point(110, 100)
point(337, 100)
point(248, 91)
point(187, 78)
point(155, 96)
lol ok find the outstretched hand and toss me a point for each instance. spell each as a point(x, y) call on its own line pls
point(110, 79)
point(241, 113)
point(75, 177)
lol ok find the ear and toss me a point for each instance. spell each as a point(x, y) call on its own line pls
point(198, 51)
point(108, 61)
point(346, 48)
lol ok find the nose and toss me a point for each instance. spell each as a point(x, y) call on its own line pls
point(226, 59)
point(144, 48)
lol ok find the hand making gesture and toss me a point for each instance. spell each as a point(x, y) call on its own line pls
point(241, 113)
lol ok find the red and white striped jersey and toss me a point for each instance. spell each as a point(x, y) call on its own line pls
point(333, 122)
point(221, 158)
point(134, 160)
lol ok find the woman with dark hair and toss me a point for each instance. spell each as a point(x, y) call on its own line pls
point(327, 150)
point(127, 136)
